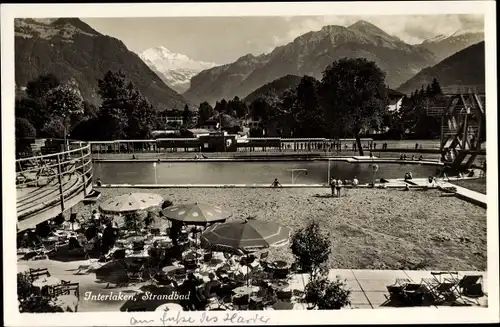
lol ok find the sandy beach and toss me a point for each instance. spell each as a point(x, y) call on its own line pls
point(370, 229)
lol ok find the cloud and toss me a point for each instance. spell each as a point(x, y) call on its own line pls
point(224, 39)
point(410, 28)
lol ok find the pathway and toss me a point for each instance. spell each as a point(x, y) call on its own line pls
point(368, 287)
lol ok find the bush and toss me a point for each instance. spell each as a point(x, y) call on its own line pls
point(30, 299)
point(327, 295)
point(311, 248)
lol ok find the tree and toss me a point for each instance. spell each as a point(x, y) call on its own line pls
point(221, 107)
point(54, 129)
point(65, 102)
point(140, 115)
point(428, 91)
point(311, 248)
point(38, 88)
point(354, 96)
point(33, 106)
point(24, 129)
point(304, 108)
point(187, 116)
point(124, 111)
point(205, 111)
point(260, 109)
point(436, 88)
point(237, 108)
point(25, 133)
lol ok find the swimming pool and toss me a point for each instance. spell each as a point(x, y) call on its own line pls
point(304, 172)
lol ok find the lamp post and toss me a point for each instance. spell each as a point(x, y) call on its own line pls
point(375, 169)
point(154, 167)
point(328, 181)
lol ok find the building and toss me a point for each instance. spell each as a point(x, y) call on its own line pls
point(395, 100)
point(211, 125)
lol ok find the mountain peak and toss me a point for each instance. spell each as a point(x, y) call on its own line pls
point(162, 57)
point(366, 27)
point(46, 28)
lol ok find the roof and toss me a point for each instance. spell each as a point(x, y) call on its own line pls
point(394, 93)
point(199, 131)
point(210, 122)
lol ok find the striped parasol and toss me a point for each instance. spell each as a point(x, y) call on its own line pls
point(131, 202)
point(247, 236)
point(196, 213)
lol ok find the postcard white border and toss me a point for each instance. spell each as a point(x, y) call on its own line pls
point(381, 316)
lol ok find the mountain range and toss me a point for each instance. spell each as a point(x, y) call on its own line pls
point(309, 54)
point(275, 88)
point(443, 46)
point(175, 69)
point(466, 67)
point(72, 50)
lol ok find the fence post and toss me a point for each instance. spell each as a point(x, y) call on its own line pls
point(84, 176)
point(59, 177)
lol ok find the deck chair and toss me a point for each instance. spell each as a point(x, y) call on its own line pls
point(135, 272)
point(37, 273)
point(92, 263)
point(442, 289)
point(470, 288)
point(67, 289)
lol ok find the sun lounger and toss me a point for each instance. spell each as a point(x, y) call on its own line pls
point(443, 287)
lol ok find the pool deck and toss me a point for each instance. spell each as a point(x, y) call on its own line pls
point(368, 287)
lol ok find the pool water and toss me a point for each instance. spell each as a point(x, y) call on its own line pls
point(303, 172)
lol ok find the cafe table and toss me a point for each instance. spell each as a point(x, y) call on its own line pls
point(279, 264)
point(169, 307)
point(46, 281)
point(245, 290)
point(280, 285)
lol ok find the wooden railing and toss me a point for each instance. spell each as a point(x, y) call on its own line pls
point(51, 180)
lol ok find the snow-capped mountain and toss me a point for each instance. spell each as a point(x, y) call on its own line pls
point(74, 52)
point(175, 69)
point(444, 45)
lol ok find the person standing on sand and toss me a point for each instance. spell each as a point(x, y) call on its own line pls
point(338, 186)
point(355, 181)
point(332, 186)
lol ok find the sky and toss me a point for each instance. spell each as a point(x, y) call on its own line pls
point(224, 39)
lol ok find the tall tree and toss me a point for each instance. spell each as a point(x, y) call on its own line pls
point(205, 111)
point(221, 106)
point(436, 88)
point(187, 116)
point(33, 105)
point(66, 102)
point(114, 106)
point(39, 87)
point(354, 96)
point(237, 108)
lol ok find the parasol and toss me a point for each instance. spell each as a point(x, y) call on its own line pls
point(196, 213)
point(131, 202)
